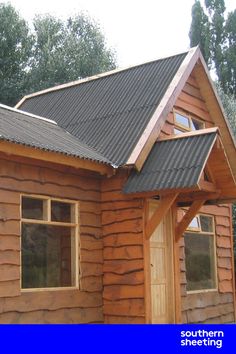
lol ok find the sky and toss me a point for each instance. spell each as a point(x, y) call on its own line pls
point(138, 30)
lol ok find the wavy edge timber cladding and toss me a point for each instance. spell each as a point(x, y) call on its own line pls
point(217, 306)
point(82, 305)
point(122, 224)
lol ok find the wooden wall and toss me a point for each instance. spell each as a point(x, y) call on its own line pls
point(215, 306)
point(218, 306)
point(122, 224)
point(82, 305)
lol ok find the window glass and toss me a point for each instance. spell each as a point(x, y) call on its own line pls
point(32, 208)
point(46, 256)
point(206, 223)
point(194, 224)
point(60, 211)
point(196, 124)
point(199, 258)
point(182, 120)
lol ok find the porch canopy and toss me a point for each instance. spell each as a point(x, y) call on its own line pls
point(194, 165)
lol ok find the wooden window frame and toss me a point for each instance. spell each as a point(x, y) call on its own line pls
point(47, 221)
point(212, 234)
point(190, 117)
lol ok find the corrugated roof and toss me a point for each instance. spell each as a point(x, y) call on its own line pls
point(172, 164)
point(109, 113)
point(25, 129)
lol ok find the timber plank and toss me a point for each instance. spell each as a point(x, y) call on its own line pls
point(131, 307)
point(118, 292)
point(134, 226)
point(9, 242)
point(9, 272)
point(124, 320)
point(121, 267)
point(52, 300)
point(123, 239)
point(126, 252)
point(133, 278)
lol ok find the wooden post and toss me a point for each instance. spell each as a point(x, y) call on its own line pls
point(159, 214)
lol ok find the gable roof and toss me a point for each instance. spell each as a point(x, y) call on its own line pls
point(109, 112)
point(26, 129)
point(173, 164)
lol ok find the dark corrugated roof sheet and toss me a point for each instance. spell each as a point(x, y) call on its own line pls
point(24, 129)
point(172, 164)
point(109, 113)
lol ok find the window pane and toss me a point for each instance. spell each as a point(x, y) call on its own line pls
point(182, 120)
point(194, 224)
point(60, 211)
point(200, 263)
point(177, 131)
point(46, 256)
point(206, 223)
point(196, 125)
point(32, 208)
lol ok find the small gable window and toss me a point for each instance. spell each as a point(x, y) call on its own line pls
point(200, 254)
point(49, 243)
point(185, 122)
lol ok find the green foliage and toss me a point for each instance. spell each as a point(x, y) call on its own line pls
point(15, 45)
point(53, 52)
point(216, 36)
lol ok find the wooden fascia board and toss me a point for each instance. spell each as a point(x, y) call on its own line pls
point(161, 211)
point(216, 110)
point(187, 218)
point(190, 134)
point(152, 131)
point(54, 157)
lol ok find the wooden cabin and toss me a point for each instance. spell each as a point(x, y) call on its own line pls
point(115, 200)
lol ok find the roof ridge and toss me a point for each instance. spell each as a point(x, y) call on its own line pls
point(95, 77)
point(16, 110)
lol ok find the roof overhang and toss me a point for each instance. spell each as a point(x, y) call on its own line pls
point(193, 63)
point(176, 165)
point(15, 149)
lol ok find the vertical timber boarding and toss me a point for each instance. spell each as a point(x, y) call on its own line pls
point(161, 269)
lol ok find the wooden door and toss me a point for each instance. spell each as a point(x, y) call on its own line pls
point(161, 269)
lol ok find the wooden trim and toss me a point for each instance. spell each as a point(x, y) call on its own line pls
point(53, 157)
point(147, 272)
point(216, 110)
point(190, 134)
point(159, 214)
point(176, 256)
point(150, 134)
point(74, 235)
point(190, 214)
point(207, 186)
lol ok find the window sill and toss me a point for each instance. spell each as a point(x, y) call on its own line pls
point(201, 291)
point(34, 290)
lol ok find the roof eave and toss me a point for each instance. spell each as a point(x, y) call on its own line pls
point(55, 157)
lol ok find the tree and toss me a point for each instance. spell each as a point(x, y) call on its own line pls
point(54, 52)
point(66, 51)
point(15, 45)
point(216, 35)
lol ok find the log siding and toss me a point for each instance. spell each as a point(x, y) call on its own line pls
point(83, 305)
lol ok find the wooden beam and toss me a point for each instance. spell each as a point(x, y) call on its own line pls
point(53, 157)
point(190, 214)
point(190, 134)
point(207, 186)
point(159, 214)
